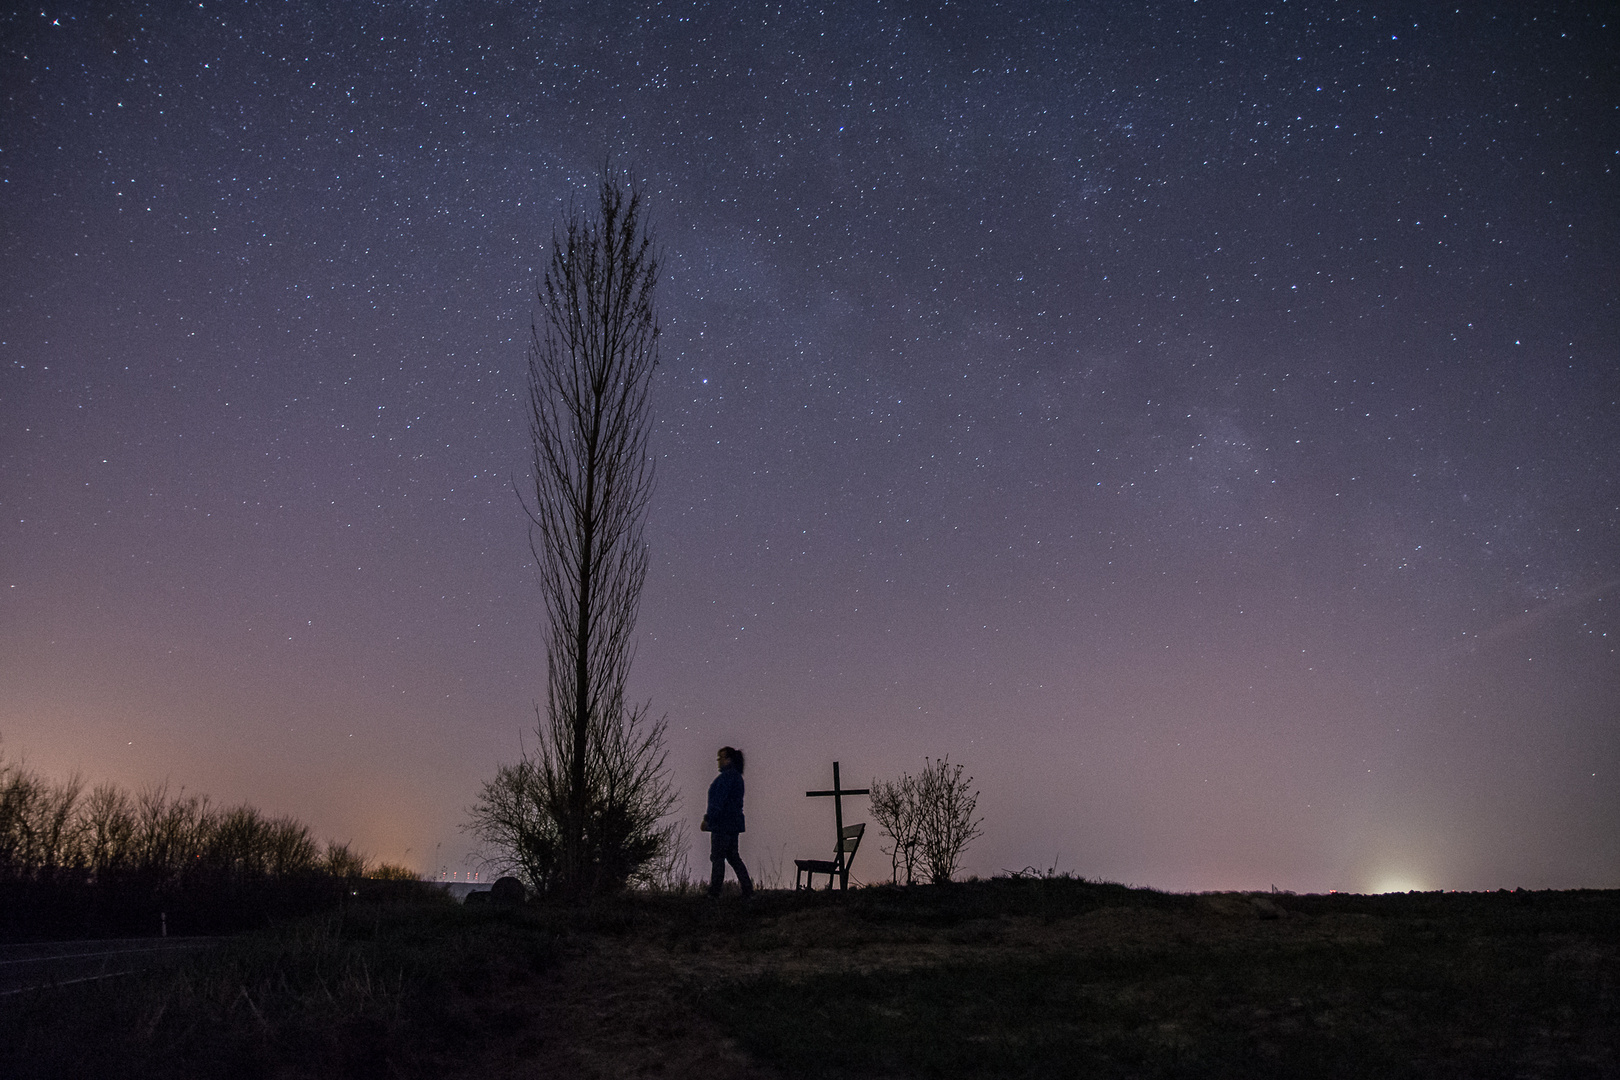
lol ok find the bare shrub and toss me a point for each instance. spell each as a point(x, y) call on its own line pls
point(518, 815)
point(518, 827)
point(899, 814)
point(948, 824)
point(928, 818)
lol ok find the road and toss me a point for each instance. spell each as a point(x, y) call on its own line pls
point(62, 963)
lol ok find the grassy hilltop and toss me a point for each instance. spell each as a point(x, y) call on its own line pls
point(1002, 978)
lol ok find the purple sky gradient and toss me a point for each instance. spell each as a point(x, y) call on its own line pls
point(1202, 423)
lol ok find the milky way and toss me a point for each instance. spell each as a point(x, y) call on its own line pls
point(1198, 420)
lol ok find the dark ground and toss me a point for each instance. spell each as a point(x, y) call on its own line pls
point(1002, 978)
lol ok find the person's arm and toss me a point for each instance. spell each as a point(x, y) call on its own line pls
point(717, 803)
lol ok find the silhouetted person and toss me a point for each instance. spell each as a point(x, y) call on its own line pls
point(725, 820)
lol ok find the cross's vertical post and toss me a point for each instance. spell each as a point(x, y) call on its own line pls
point(838, 810)
point(838, 792)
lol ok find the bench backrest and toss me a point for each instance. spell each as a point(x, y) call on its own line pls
point(848, 842)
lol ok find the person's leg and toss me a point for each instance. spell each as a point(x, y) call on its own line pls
point(734, 857)
point(717, 860)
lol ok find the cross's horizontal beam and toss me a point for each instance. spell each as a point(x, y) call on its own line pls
point(843, 791)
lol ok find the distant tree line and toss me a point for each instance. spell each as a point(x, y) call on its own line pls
point(105, 860)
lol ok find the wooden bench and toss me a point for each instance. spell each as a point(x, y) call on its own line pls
point(849, 841)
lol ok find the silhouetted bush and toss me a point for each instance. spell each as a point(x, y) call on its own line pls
point(928, 818)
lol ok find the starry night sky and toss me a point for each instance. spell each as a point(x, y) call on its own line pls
point(1201, 420)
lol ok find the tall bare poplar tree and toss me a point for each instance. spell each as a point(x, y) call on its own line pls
point(583, 813)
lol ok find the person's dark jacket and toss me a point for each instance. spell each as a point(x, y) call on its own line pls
point(726, 802)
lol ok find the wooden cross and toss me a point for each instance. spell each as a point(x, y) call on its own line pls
point(838, 794)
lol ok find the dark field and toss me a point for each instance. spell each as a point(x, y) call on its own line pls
point(1002, 978)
